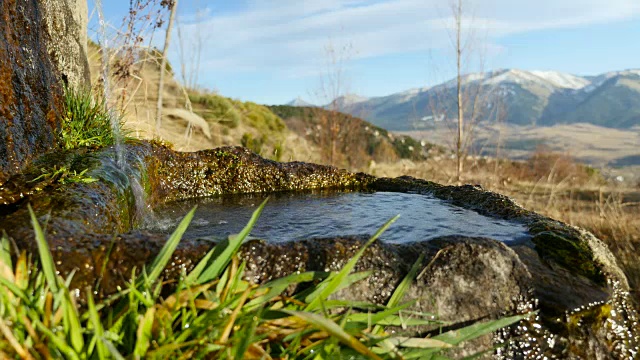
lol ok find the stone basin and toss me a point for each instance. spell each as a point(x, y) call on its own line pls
point(565, 273)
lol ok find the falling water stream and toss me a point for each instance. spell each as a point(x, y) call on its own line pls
point(142, 211)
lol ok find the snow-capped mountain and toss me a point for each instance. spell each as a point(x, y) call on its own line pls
point(347, 100)
point(549, 79)
point(299, 102)
point(528, 97)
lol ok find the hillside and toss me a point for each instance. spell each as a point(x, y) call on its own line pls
point(198, 119)
point(215, 120)
point(528, 97)
point(357, 141)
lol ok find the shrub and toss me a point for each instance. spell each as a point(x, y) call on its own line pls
point(217, 108)
point(253, 144)
point(556, 168)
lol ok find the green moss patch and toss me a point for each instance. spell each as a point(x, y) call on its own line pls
point(573, 254)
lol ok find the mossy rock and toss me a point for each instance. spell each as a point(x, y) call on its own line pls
point(558, 270)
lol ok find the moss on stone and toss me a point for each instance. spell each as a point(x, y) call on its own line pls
point(573, 254)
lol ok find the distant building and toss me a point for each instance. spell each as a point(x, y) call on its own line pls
point(433, 118)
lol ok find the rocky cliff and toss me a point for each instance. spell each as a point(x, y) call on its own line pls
point(42, 47)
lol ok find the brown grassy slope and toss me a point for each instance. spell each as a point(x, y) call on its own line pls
point(357, 143)
point(135, 95)
point(596, 145)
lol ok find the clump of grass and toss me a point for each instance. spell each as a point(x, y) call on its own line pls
point(231, 113)
point(63, 175)
point(86, 122)
point(253, 144)
point(212, 312)
point(217, 108)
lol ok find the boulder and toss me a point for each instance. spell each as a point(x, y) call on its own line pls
point(65, 25)
point(41, 42)
point(564, 273)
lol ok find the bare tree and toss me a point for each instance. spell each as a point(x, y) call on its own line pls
point(173, 5)
point(333, 86)
point(459, 159)
point(469, 100)
point(191, 50)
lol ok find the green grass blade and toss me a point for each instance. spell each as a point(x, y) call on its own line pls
point(193, 276)
point(222, 281)
point(418, 343)
point(247, 337)
point(356, 305)
point(144, 333)
point(225, 250)
point(14, 289)
point(94, 318)
point(59, 343)
point(278, 286)
point(113, 351)
point(169, 247)
point(400, 290)
point(394, 320)
point(336, 282)
point(380, 315)
point(5, 250)
point(73, 321)
point(455, 337)
point(335, 331)
point(345, 283)
point(46, 259)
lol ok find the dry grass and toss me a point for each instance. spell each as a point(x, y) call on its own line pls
point(520, 141)
point(186, 130)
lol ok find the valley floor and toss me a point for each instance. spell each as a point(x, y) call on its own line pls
point(616, 151)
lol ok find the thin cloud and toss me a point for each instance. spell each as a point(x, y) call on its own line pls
point(289, 36)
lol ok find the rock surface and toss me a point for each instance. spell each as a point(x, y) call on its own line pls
point(65, 25)
point(566, 274)
point(41, 42)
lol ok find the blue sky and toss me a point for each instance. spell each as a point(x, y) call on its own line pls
point(273, 51)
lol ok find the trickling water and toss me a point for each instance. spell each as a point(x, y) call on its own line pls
point(295, 216)
point(120, 162)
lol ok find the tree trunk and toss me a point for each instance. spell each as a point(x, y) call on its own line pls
point(459, 150)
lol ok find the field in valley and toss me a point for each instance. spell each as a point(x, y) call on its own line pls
point(614, 151)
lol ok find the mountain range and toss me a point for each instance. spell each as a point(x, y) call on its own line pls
point(542, 98)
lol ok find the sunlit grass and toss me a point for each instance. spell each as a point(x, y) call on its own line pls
point(86, 121)
point(211, 312)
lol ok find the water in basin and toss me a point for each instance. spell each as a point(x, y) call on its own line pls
point(295, 216)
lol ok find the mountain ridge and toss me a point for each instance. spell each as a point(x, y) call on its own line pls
point(537, 97)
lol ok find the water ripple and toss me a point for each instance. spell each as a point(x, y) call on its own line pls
point(294, 216)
